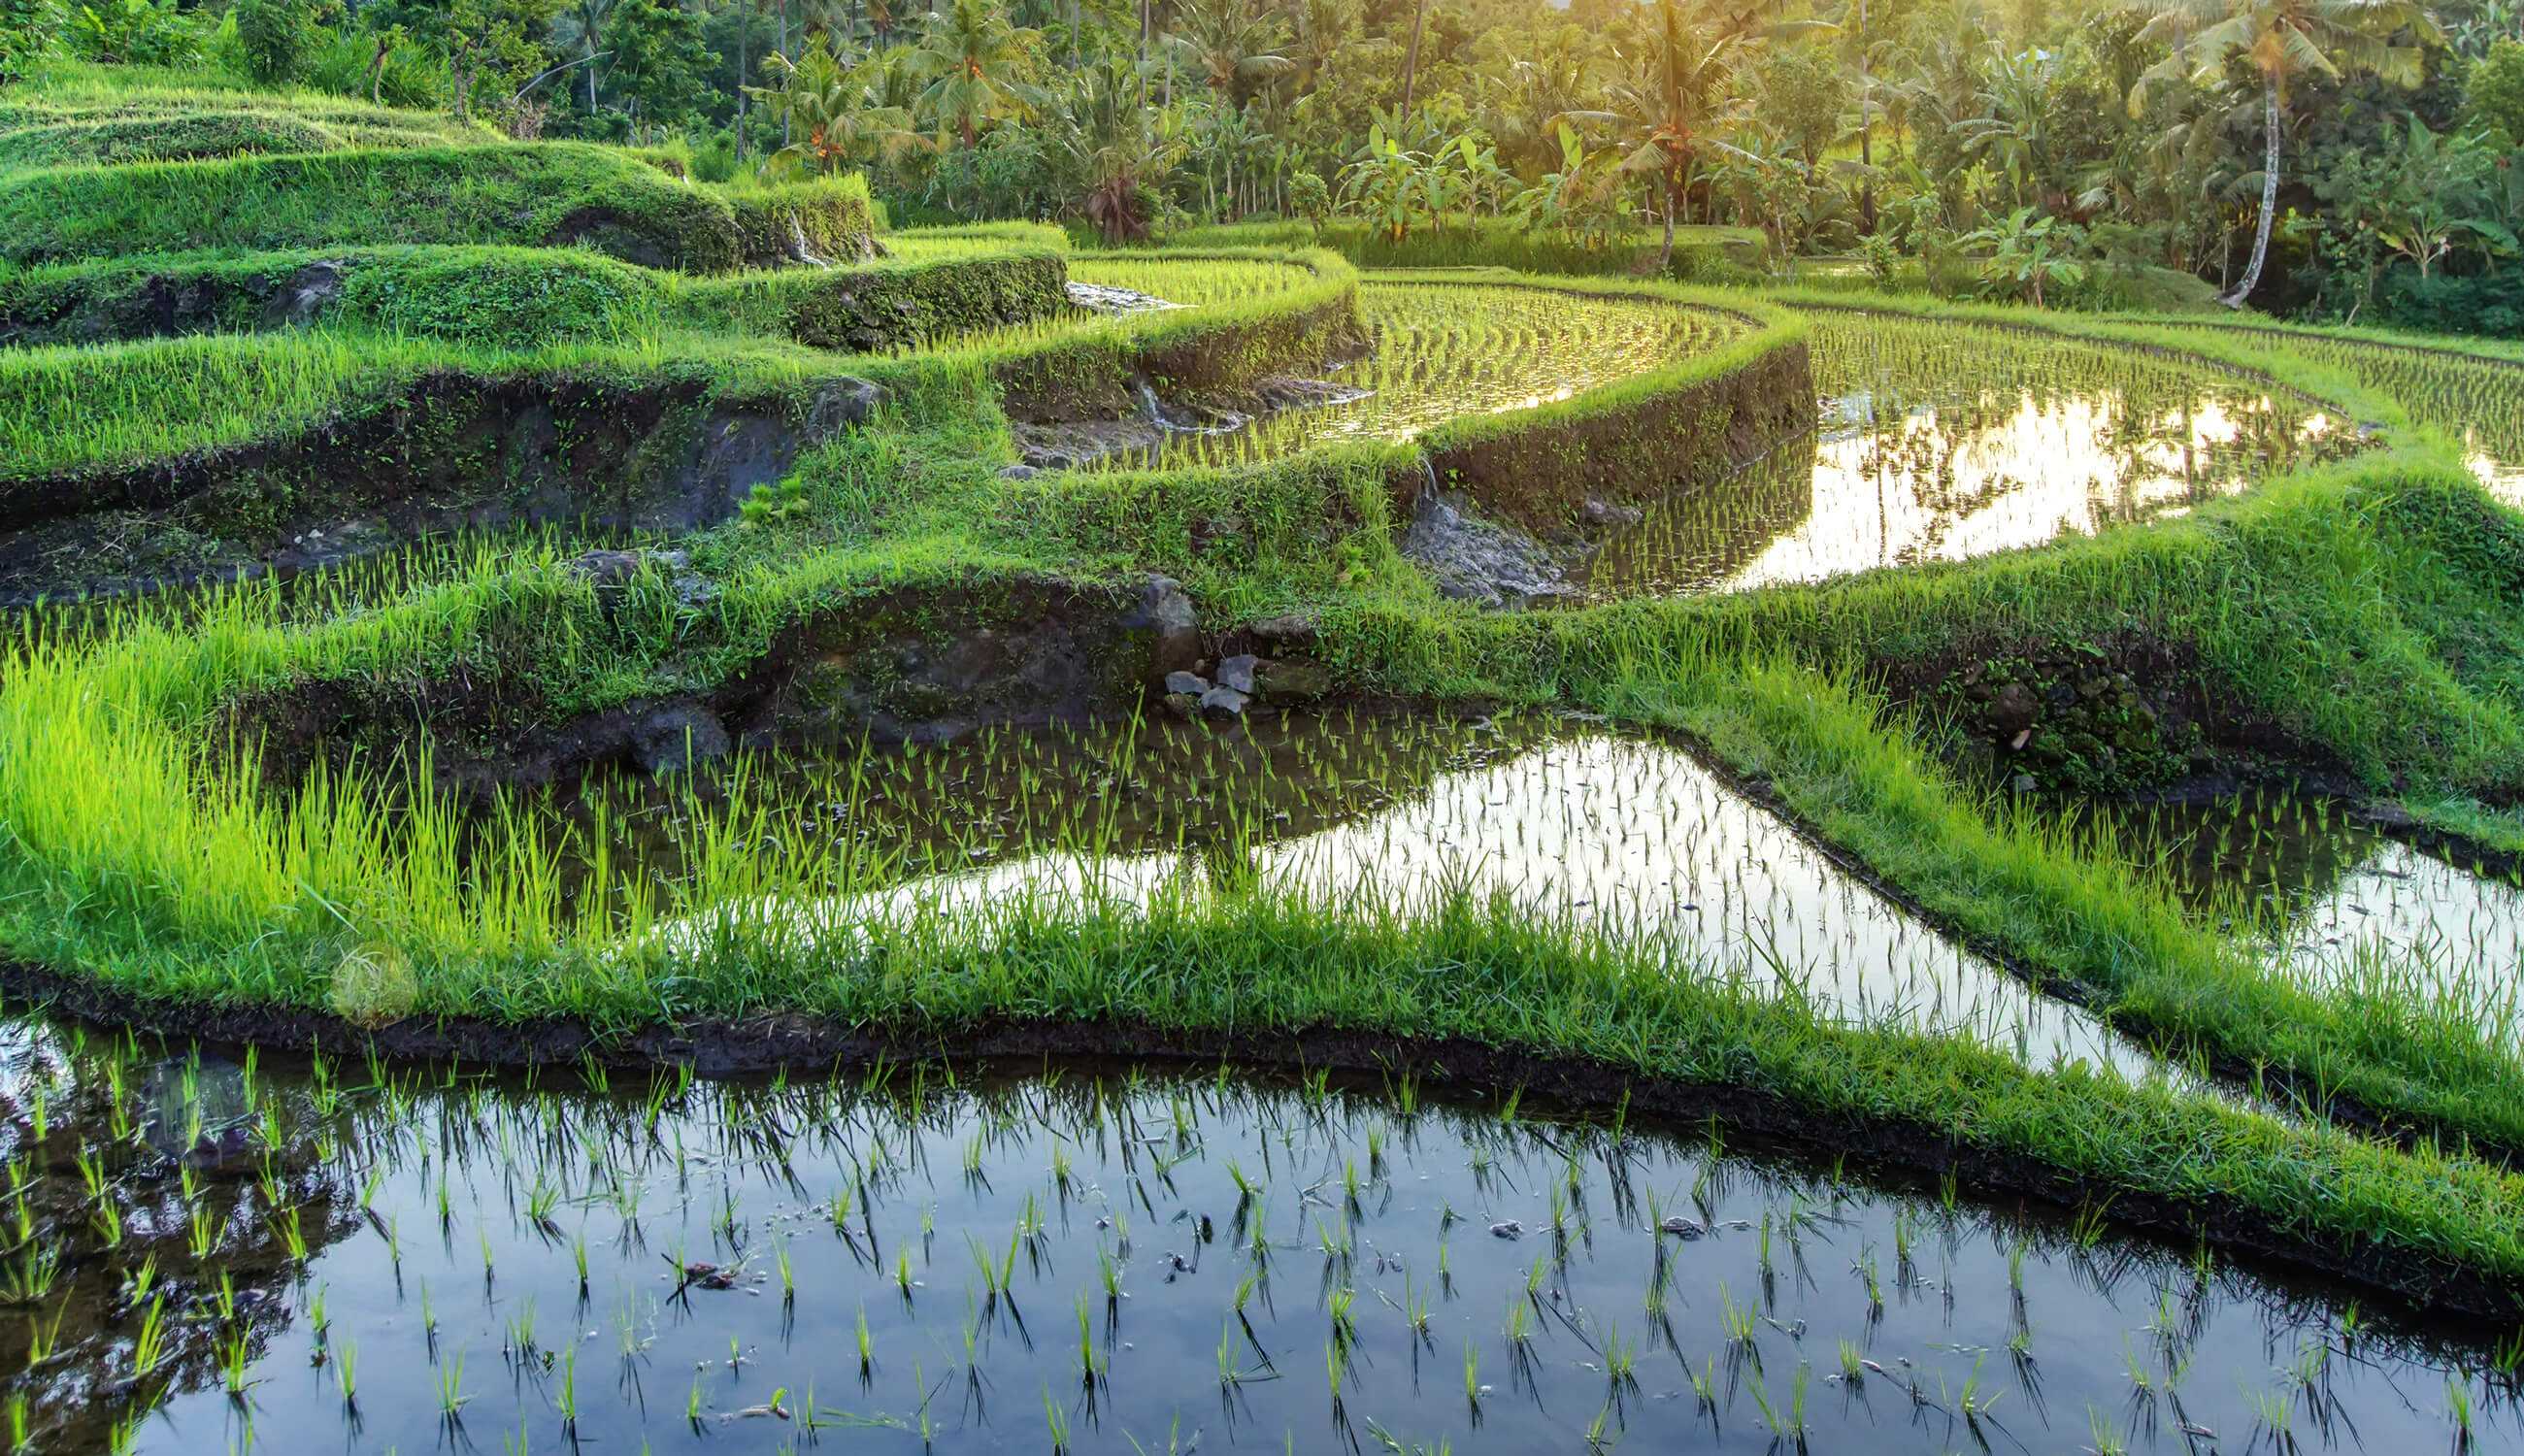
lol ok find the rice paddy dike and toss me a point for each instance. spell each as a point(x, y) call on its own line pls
point(2064, 768)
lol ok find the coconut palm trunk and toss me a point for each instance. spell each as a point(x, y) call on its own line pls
point(1411, 61)
point(2269, 194)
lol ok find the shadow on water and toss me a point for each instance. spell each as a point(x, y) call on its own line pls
point(1089, 1258)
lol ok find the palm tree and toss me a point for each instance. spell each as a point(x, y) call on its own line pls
point(836, 111)
point(1232, 45)
point(980, 67)
point(585, 18)
point(1411, 63)
point(1324, 27)
point(1671, 103)
point(1535, 93)
point(2283, 40)
point(1113, 144)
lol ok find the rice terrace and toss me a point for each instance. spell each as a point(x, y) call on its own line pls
point(1285, 725)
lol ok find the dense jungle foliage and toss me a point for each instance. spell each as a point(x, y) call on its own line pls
point(2330, 160)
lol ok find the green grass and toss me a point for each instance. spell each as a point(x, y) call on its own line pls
point(514, 312)
point(2371, 609)
point(539, 194)
point(925, 244)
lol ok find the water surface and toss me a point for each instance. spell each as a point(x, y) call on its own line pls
point(1940, 442)
point(1095, 1259)
point(1617, 834)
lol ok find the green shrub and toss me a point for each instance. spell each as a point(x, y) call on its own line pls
point(504, 299)
point(275, 37)
point(2490, 304)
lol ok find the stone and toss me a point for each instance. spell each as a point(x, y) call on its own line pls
point(1165, 612)
point(305, 295)
point(1238, 672)
point(845, 402)
point(1295, 630)
point(673, 739)
point(1018, 472)
point(2023, 783)
point(2013, 711)
point(1225, 702)
point(606, 568)
point(1474, 560)
point(1597, 512)
point(1284, 679)
point(1186, 681)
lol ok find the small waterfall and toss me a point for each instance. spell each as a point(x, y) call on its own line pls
point(797, 246)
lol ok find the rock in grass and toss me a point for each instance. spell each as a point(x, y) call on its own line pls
point(673, 739)
point(1179, 681)
point(1238, 672)
point(1287, 681)
point(842, 403)
point(1293, 630)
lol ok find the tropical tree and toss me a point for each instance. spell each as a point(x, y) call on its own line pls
point(1681, 90)
point(658, 57)
point(1233, 44)
point(1324, 26)
point(980, 66)
point(581, 21)
point(2284, 41)
point(836, 113)
point(1116, 148)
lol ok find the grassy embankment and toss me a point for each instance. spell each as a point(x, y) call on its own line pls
point(137, 861)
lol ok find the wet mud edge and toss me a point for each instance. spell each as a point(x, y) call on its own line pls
point(791, 1042)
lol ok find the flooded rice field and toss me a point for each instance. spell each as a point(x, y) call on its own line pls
point(1944, 441)
point(1444, 351)
point(1939, 440)
point(2474, 399)
point(214, 1255)
point(2332, 900)
point(1623, 834)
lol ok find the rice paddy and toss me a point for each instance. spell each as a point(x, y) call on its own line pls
point(2259, 1025)
point(2332, 901)
point(1192, 282)
point(1943, 441)
point(2471, 398)
point(285, 1257)
point(1568, 821)
point(1439, 351)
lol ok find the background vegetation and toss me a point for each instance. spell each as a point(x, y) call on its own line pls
point(2342, 159)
